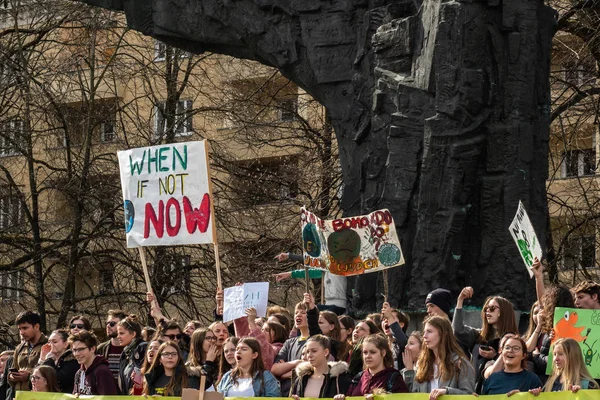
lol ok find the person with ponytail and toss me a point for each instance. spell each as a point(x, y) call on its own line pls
point(129, 334)
point(249, 377)
point(167, 375)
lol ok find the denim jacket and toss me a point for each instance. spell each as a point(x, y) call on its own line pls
point(267, 387)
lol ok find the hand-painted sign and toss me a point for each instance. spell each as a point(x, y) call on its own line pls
point(166, 194)
point(584, 327)
point(351, 245)
point(237, 299)
point(524, 236)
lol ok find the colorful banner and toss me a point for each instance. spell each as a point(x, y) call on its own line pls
point(524, 236)
point(351, 245)
point(237, 299)
point(580, 395)
point(166, 195)
point(582, 326)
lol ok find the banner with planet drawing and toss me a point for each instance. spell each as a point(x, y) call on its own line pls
point(351, 245)
point(166, 194)
point(583, 327)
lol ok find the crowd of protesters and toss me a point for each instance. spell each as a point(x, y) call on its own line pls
point(308, 353)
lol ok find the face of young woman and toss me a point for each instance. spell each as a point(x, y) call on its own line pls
point(76, 326)
point(325, 326)
point(431, 337)
point(189, 329)
point(57, 344)
point(38, 383)
point(209, 339)
point(512, 353)
point(414, 347)
point(361, 331)
point(386, 327)
point(169, 357)
point(372, 356)
point(536, 312)
point(316, 354)
point(559, 357)
point(492, 312)
point(124, 336)
point(244, 355)
point(344, 333)
point(229, 353)
point(268, 333)
point(152, 350)
point(221, 332)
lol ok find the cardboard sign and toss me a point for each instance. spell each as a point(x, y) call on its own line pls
point(166, 195)
point(249, 295)
point(584, 327)
point(524, 236)
point(351, 245)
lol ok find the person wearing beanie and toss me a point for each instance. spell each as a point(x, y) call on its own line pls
point(439, 302)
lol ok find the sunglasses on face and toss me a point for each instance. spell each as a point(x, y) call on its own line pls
point(111, 324)
point(491, 308)
point(78, 326)
point(174, 337)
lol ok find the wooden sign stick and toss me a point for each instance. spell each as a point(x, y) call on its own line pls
point(202, 387)
point(214, 221)
point(386, 286)
point(146, 274)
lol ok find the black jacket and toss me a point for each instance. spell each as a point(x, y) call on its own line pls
point(337, 381)
point(155, 374)
point(131, 357)
point(66, 367)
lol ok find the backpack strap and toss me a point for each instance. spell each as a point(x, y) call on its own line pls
point(391, 381)
point(356, 379)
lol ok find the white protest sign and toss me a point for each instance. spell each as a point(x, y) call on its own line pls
point(249, 295)
point(524, 236)
point(166, 194)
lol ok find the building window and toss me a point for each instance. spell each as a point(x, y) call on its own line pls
point(580, 252)
point(11, 210)
point(183, 119)
point(11, 137)
point(579, 163)
point(10, 284)
point(107, 130)
point(160, 50)
point(266, 181)
point(106, 283)
point(288, 109)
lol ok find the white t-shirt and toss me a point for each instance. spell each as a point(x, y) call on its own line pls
point(242, 389)
point(435, 382)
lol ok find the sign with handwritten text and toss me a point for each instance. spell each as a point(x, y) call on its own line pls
point(249, 295)
point(524, 236)
point(166, 194)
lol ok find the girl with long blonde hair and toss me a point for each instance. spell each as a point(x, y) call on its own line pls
point(569, 371)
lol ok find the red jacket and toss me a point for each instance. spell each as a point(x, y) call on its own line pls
point(368, 382)
point(98, 380)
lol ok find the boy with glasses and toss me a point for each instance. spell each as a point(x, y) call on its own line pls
point(111, 349)
point(94, 377)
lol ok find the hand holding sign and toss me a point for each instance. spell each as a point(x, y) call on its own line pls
point(524, 236)
point(238, 299)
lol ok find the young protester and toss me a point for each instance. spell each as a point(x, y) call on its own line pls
point(5, 355)
point(151, 351)
point(319, 378)
point(129, 335)
point(228, 359)
point(271, 336)
point(221, 332)
point(191, 326)
point(148, 333)
point(379, 376)
point(330, 327)
point(282, 319)
point(394, 333)
point(442, 367)
point(513, 378)
point(167, 375)
point(204, 354)
point(94, 377)
point(249, 377)
point(411, 352)
point(27, 354)
point(438, 302)
point(375, 318)
point(6, 358)
point(79, 323)
point(43, 379)
point(347, 325)
point(361, 331)
point(111, 350)
point(587, 295)
point(533, 334)
point(62, 360)
point(497, 318)
point(306, 321)
point(569, 371)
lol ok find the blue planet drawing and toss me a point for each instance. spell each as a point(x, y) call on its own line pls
point(310, 239)
point(129, 215)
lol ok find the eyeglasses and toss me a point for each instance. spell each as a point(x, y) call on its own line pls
point(512, 348)
point(111, 324)
point(211, 338)
point(76, 350)
point(168, 355)
point(491, 308)
point(78, 326)
point(174, 337)
point(35, 378)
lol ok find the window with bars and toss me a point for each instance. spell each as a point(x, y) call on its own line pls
point(11, 137)
point(183, 125)
point(288, 109)
point(10, 284)
point(11, 210)
point(107, 130)
point(580, 252)
point(579, 162)
point(106, 283)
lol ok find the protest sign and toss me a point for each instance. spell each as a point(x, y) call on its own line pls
point(351, 245)
point(564, 395)
point(249, 295)
point(524, 236)
point(584, 327)
point(166, 195)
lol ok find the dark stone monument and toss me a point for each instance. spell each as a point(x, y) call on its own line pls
point(441, 110)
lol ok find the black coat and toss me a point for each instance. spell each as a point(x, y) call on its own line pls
point(337, 381)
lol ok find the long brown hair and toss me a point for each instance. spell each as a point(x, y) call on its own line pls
point(332, 318)
point(506, 320)
point(178, 379)
point(532, 324)
point(223, 364)
point(447, 348)
point(49, 374)
point(257, 365)
point(382, 344)
point(197, 355)
point(574, 371)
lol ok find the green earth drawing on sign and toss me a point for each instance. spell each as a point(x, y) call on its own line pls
point(389, 254)
point(525, 251)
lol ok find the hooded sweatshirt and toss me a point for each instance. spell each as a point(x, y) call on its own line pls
point(95, 380)
point(368, 383)
point(337, 381)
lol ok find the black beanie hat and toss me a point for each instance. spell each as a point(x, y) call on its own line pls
point(441, 298)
